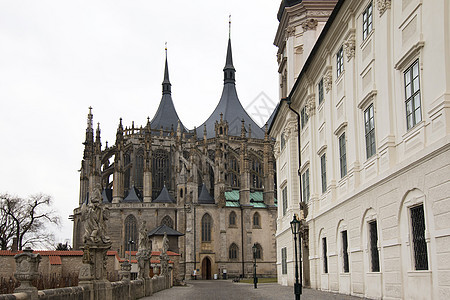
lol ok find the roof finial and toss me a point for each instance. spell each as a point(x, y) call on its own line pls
point(229, 26)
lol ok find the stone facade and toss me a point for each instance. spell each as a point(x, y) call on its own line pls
point(375, 153)
point(214, 184)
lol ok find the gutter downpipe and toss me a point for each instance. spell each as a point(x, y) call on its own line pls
point(289, 102)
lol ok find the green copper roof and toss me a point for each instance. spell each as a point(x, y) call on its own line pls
point(256, 199)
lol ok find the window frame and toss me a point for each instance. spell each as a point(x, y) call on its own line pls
point(233, 251)
point(343, 154)
point(206, 228)
point(421, 242)
point(345, 256)
point(324, 255)
point(303, 117)
point(305, 186)
point(320, 91)
point(409, 74)
point(340, 61)
point(369, 131)
point(373, 246)
point(257, 216)
point(367, 24)
point(284, 260)
point(323, 172)
point(284, 200)
point(230, 215)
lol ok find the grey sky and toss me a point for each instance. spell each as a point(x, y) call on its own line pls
point(57, 58)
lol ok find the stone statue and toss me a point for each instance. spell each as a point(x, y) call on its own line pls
point(164, 258)
point(165, 246)
point(95, 216)
point(143, 236)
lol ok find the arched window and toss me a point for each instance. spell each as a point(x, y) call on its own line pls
point(233, 251)
point(139, 170)
point(233, 172)
point(256, 220)
point(256, 174)
point(232, 219)
point(167, 221)
point(130, 233)
point(160, 171)
point(206, 228)
point(258, 252)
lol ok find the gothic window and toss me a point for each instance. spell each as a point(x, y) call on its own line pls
point(130, 233)
point(167, 221)
point(374, 256)
point(367, 21)
point(418, 237)
point(233, 172)
point(127, 161)
point(412, 95)
point(283, 261)
point(139, 182)
point(256, 220)
point(342, 155)
point(258, 252)
point(206, 228)
point(211, 181)
point(256, 173)
point(232, 219)
point(340, 61)
point(160, 171)
point(233, 251)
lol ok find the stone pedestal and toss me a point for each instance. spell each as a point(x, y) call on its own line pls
point(27, 265)
point(93, 271)
point(125, 271)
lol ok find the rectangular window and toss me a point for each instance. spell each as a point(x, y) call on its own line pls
point(325, 255)
point(303, 117)
point(323, 172)
point(418, 233)
point(342, 155)
point(283, 261)
point(284, 197)
point(345, 251)
point(305, 186)
point(320, 90)
point(412, 95)
point(374, 257)
point(369, 127)
point(367, 21)
point(340, 61)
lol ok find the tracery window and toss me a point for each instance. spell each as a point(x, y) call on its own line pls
point(130, 233)
point(232, 219)
point(206, 228)
point(139, 170)
point(160, 171)
point(167, 221)
point(233, 172)
point(256, 220)
point(127, 176)
point(258, 252)
point(233, 251)
point(256, 173)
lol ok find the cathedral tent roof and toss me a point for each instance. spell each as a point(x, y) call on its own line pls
point(166, 116)
point(230, 106)
point(205, 197)
point(133, 195)
point(164, 197)
point(161, 229)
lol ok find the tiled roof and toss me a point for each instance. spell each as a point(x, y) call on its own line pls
point(52, 253)
point(54, 260)
point(161, 229)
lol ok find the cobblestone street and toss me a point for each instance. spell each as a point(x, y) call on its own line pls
point(221, 289)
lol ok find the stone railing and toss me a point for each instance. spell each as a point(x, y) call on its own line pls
point(27, 264)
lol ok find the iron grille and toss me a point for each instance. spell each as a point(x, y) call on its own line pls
point(418, 231)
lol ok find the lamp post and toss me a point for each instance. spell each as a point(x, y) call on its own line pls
point(255, 279)
point(130, 242)
point(295, 227)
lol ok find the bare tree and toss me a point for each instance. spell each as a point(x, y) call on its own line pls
point(26, 220)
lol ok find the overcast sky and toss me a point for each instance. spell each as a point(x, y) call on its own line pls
point(57, 58)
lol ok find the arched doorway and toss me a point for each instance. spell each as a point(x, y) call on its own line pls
point(206, 268)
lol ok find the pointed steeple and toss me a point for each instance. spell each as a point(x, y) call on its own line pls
point(89, 127)
point(229, 70)
point(166, 82)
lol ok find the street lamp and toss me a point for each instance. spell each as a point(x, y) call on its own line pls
point(130, 242)
point(295, 227)
point(255, 279)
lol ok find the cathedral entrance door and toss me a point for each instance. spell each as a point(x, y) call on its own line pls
point(206, 268)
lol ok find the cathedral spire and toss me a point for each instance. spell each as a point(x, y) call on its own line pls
point(229, 70)
point(166, 83)
point(89, 128)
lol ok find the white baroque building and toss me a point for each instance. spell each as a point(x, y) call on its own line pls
point(373, 102)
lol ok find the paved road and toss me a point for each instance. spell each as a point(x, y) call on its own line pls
point(225, 289)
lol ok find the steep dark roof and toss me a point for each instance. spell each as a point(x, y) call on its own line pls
point(205, 197)
point(164, 197)
point(166, 116)
point(161, 229)
point(133, 195)
point(230, 106)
